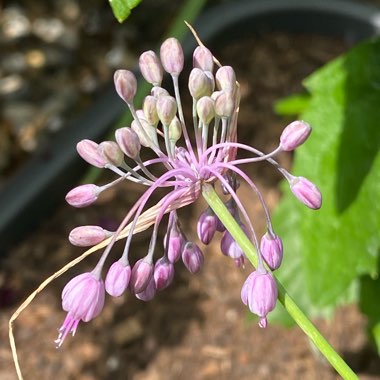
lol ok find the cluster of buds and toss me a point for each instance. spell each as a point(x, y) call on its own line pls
point(181, 168)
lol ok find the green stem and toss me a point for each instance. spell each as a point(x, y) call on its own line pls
point(295, 312)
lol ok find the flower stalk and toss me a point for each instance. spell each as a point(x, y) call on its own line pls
point(221, 211)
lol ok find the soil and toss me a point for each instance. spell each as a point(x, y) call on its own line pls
point(197, 328)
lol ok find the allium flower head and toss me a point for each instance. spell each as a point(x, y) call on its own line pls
point(187, 155)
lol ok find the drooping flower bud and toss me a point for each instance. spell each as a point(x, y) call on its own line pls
point(88, 150)
point(294, 135)
point(125, 84)
point(117, 279)
point(163, 273)
point(199, 84)
point(226, 79)
point(159, 91)
point(192, 257)
point(175, 243)
point(87, 236)
point(150, 68)
point(111, 151)
point(150, 110)
point(83, 196)
point(206, 226)
point(83, 299)
point(306, 192)
point(128, 142)
point(172, 57)
point(147, 134)
point(166, 109)
point(149, 292)
point(271, 250)
point(203, 59)
point(259, 293)
point(206, 109)
point(224, 104)
point(141, 274)
point(229, 245)
point(175, 130)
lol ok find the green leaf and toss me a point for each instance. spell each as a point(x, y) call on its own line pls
point(122, 8)
point(292, 105)
point(327, 250)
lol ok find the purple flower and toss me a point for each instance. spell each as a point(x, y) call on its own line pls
point(83, 299)
point(192, 257)
point(259, 293)
point(206, 226)
point(306, 192)
point(117, 279)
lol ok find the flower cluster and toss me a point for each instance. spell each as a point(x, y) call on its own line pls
point(182, 169)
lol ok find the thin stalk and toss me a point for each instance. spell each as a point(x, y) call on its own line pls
point(295, 312)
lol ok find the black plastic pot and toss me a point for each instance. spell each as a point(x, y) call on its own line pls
point(42, 183)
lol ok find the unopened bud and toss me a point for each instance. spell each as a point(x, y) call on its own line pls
point(224, 104)
point(159, 91)
point(117, 279)
point(175, 130)
point(192, 257)
point(166, 109)
point(175, 243)
point(259, 293)
point(150, 110)
point(111, 151)
point(125, 84)
point(128, 142)
point(146, 133)
point(87, 236)
point(294, 135)
point(205, 109)
point(141, 274)
point(150, 68)
point(199, 84)
point(306, 192)
point(172, 58)
point(149, 292)
point(203, 59)
point(163, 273)
point(226, 78)
point(271, 250)
point(229, 245)
point(83, 195)
point(206, 226)
point(88, 150)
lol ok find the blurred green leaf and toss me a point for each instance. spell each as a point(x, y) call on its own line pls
point(292, 105)
point(122, 8)
point(326, 251)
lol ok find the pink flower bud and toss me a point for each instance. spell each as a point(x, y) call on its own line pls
point(203, 59)
point(146, 133)
point(83, 195)
point(159, 91)
point(83, 299)
point(126, 84)
point(149, 292)
point(128, 141)
point(166, 109)
point(87, 236)
point(163, 273)
point(226, 79)
point(192, 257)
point(117, 279)
point(175, 245)
point(150, 68)
point(141, 274)
point(306, 192)
point(271, 250)
point(150, 110)
point(172, 58)
point(224, 104)
point(88, 150)
point(206, 109)
point(111, 152)
point(230, 247)
point(175, 129)
point(259, 293)
point(294, 135)
point(206, 226)
point(199, 84)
